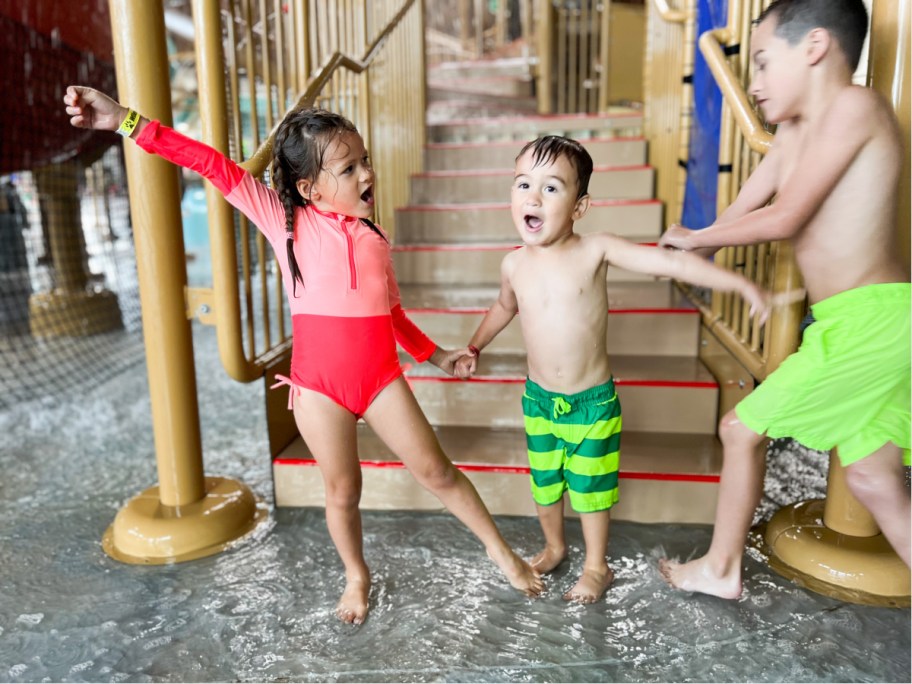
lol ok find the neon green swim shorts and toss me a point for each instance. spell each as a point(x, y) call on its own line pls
point(848, 385)
point(574, 445)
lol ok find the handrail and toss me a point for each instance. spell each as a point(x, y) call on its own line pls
point(260, 159)
point(671, 16)
point(757, 137)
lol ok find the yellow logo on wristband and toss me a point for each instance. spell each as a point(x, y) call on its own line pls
point(128, 124)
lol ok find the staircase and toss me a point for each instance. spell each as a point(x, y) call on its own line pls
point(449, 243)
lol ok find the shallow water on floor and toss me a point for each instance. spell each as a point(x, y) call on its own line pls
point(439, 610)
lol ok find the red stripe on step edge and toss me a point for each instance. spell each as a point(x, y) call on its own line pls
point(500, 121)
point(471, 247)
point(514, 379)
point(482, 310)
point(515, 143)
point(514, 470)
point(500, 206)
point(480, 173)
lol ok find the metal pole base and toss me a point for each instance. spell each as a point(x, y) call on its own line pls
point(862, 570)
point(73, 314)
point(145, 531)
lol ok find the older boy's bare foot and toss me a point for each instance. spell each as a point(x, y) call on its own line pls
point(547, 559)
point(590, 586)
point(519, 574)
point(353, 605)
point(697, 575)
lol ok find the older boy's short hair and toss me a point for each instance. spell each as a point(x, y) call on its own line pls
point(846, 20)
point(549, 147)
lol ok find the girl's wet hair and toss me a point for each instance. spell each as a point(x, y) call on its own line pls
point(299, 149)
point(846, 20)
point(549, 147)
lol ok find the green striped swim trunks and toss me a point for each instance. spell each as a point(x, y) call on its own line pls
point(574, 445)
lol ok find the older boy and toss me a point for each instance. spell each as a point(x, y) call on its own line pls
point(834, 168)
point(558, 281)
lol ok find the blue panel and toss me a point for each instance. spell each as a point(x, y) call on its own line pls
point(699, 208)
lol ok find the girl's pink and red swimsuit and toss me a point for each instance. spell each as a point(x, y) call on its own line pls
point(347, 317)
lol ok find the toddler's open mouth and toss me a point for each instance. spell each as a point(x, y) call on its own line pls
point(533, 223)
point(368, 195)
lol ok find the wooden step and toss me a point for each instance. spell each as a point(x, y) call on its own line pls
point(650, 318)
point(459, 223)
point(441, 97)
point(664, 478)
point(475, 264)
point(606, 183)
point(502, 155)
point(488, 84)
point(483, 68)
point(621, 122)
point(658, 393)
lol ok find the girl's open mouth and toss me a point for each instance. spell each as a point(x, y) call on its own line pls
point(368, 196)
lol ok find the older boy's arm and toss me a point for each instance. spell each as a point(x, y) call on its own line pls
point(754, 194)
point(828, 152)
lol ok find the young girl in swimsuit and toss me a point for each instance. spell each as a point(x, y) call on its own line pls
point(346, 317)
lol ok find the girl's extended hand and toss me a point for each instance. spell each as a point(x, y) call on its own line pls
point(446, 360)
point(89, 108)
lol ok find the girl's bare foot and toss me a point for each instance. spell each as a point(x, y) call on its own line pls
point(591, 585)
point(519, 574)
point(353, 604)
point(547, 559)
point(697, 575)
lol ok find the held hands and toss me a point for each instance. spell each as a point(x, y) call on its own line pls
point(89, 108)
point(466, 365)
point(448, 361)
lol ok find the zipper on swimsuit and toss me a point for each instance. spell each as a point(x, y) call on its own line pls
point(351, 257)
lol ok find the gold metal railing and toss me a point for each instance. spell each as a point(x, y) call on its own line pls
point(742, 142)
point(668, 97)
point(261, 53)
point(573, 55)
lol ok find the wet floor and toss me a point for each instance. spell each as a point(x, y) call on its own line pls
point(440, 612)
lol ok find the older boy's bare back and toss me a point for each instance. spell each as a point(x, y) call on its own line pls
point(562, 296)
point(851, 239)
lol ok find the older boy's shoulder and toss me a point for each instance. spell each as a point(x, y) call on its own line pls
point(858, 104)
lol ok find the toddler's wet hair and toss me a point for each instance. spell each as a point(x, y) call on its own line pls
point(550, 147)
point(846, 20)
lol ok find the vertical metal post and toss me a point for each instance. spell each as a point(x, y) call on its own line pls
point(142, 79)
point(187, 515)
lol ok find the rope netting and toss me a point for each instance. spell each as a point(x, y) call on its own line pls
point(69, 300)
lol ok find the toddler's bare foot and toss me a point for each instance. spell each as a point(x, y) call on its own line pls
point(591, 585)
point(519, 574)
point(697, 575)
point(353, 604)
point(547, 559)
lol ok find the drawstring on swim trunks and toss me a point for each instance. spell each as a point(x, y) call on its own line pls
point(561, 406)
point(293, 389)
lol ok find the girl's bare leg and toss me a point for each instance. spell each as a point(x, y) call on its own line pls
point(551, 519)
point(397, 419)
point(719, 571)
point(878, 482)
point(597, 576)
point(329, 431)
